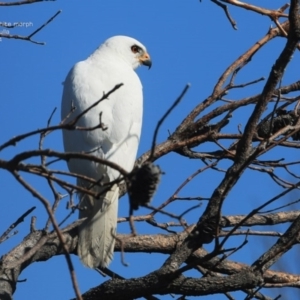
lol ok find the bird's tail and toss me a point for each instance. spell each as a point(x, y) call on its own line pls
point(97, 233)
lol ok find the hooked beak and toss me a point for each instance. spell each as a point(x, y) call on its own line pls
point(146, 60)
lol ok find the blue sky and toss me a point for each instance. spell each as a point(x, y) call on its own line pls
point(189, 42)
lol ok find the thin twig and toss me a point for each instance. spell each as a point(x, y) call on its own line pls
point(159, 123)
point(3, 237)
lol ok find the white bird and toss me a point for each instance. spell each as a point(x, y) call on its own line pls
point(112, 63)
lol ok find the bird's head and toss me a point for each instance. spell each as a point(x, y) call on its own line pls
point(131, 50)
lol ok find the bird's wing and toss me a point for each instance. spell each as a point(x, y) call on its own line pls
point(121, 114)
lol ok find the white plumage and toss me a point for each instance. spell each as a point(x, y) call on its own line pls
point(112, 63)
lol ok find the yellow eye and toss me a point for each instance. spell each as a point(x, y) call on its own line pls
point(135, 49)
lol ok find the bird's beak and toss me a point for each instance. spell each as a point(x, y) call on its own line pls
point(146, 60)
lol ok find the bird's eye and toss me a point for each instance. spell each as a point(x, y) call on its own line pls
point(135, 49)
